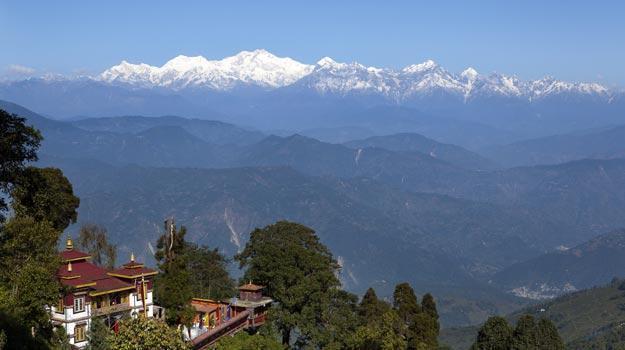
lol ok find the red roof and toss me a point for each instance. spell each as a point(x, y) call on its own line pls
point(251, 287)
point(110, 284)
point(85, 274)
point(74, 255)
point(204, 308)
point(132, 269)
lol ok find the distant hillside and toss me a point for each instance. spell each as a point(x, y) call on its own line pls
point(413, 171)
point(587, 194)
point(588, 319)
point(411, 142)
point(606, 143)
point(586, 265)
point(214, 132)
point(582, 198)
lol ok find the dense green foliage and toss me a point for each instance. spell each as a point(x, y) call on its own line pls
point(587, 319)
point(187, 271)
point(245, 341)
point(45, 194)
point(93, 240)
point(173, 285)
point(99, 334)
point(311, 311)
point(298, 271)
point(146, 334)
point(528, 334)
point(210, 279)
point(18, 145)
point(44, 205)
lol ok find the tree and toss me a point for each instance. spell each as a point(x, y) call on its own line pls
point(146, 334)
point(173, 285)
point(45, 194)
point(384, 334)
point(210, 279)
point(428, 305)
point(99, 334)
point(423, 332)
point(548, 336)
point(44, 205)
point(371, 308)
point(28, 264)
point(93, 239)
point(425, 328)
point(245, 341)
point(298, 271)
point(525, 334)
point(405, 302)
point(495, 334)
point(18, 145)
point(338, 322)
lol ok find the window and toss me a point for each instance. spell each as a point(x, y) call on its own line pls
point(59, 306)
point(80, 333)
point(79, 304)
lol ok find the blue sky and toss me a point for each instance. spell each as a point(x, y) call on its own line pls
point(581, 41)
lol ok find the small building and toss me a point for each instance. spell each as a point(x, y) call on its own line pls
point(216, 319)
point(251, 299)
point(93, 291)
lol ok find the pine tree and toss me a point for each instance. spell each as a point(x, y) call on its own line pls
point(428, 305)
point(525, 334)
point(548, 336)
point(495, 334)
point(371, 308)
point(173, 285)
point(405, 302)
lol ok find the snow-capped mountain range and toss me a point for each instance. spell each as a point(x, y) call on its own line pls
point(262, 69)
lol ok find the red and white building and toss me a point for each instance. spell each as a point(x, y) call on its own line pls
point(93, 291)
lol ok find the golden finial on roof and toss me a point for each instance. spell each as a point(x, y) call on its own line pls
point(69, 266)
point(132, 257)
point(69, 245)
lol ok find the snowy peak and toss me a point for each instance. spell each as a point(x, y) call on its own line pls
point(331, 77)
point(326, 62)
point(421, 67)
point(183, 63)
point(258, 67)
point(263, 69)
point(469, 74)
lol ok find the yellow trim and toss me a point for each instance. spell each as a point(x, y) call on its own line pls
point(70, 277)
point(93, 294)
point(85, 285)
point(133, 266)
point(135, 276)
point(206, 300)
point(77, 259)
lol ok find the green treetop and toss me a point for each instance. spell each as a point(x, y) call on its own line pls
point(18, 145)
point(173, 285)
point(298, 271)
point(405, 302)
point(146, 334)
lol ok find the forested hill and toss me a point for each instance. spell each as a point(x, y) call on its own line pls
point(587, 319)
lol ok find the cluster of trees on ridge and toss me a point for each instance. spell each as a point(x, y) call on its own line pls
point(299, 272)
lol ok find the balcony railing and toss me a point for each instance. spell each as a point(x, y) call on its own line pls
point(105, 310)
